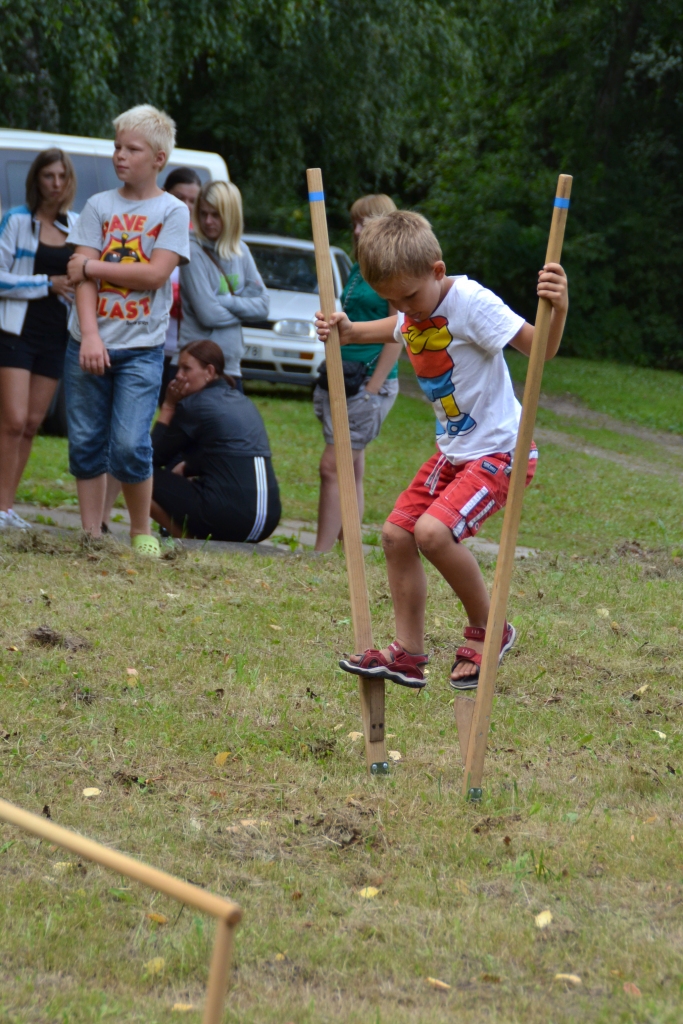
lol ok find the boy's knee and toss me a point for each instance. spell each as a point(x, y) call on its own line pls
point(431, 535)
point(396, 540)
point(328, 469)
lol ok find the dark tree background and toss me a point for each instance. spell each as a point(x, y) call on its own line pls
point(465, 109)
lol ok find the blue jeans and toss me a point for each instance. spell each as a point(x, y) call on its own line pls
point(110, 417)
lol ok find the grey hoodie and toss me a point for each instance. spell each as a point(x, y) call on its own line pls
point(208, 315)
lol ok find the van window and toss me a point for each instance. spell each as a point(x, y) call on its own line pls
point(93, 174)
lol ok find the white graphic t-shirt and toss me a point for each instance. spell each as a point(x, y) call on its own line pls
point(127, 231)
point(457, 355)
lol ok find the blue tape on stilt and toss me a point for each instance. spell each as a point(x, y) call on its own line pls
point(562, 203)
point(316, 197)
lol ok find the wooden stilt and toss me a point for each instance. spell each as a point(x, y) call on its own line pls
point(219, 973)
point(371, 690)
point(474, 736)
point(228, 914)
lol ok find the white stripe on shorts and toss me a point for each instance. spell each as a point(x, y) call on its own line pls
point(479, 496)
point(261, 497)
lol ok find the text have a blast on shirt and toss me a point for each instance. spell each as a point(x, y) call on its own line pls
point(126, 248)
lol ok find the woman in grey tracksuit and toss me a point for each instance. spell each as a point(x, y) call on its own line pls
point(220, 287)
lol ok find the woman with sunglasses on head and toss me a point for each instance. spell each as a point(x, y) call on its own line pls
point(35, 297)
point(220, 287)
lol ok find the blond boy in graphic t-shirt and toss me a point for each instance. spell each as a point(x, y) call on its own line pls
point(128, 242)
point(454, 332)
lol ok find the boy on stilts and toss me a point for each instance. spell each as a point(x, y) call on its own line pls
point(454, 331)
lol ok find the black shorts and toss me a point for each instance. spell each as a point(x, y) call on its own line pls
point(42, 356)
point(242, 505)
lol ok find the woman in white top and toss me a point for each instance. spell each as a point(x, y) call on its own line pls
point(35, 296)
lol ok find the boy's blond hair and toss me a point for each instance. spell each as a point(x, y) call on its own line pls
point(371, 206)
point(399, 244)
point(156, 127)
point(226, 198)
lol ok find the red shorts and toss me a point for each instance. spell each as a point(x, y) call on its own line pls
point(462, 497)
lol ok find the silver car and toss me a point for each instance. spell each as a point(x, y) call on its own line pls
point(284, 348)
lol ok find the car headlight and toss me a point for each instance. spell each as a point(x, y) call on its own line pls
point(295, 328)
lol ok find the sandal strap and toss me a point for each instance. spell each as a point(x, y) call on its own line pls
point(467, 654)
point(474, 633)
point(370, 658)
point(397, 650)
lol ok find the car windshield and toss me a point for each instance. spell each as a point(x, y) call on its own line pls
point(285, 268)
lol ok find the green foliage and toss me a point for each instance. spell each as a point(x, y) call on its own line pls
point(465, 109)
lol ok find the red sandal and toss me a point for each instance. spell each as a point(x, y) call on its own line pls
point(405, 669)
point(472, 656)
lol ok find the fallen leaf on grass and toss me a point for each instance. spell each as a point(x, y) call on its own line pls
point(603, 612)
point(657, 732)
point(571, 979)
point(131, 672)
point(273, 626)
point(63, 867)
point(95, 597)
point(442, 986)
point(617, 974)
point(490, 979)
point(632, 990)
point(395, 755)
point(182, 1007)
point(368, 893)
point(543, 919)
point(615, 627)
point(12, 648)
point(91, 791)
point(651, 820)
point(280, 957)
point(461, 887)
point(296, 895)
point(639, 692)
point(338, 727)
point(156, 965)
point(221, 758)
point(157, 918)
point(132, 572)
point(352, 735)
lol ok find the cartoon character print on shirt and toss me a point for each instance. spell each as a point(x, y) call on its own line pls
point(124, 245)
point(428, 342)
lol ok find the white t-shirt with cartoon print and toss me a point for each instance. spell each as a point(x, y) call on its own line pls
point(127, 231)
point(457, 354)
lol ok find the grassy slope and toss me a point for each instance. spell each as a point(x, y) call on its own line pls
point(581, 812)
point(575, 770)
point(651, 398)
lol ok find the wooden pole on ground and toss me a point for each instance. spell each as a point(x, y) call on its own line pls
point(473, 717)
point(371, 690)
point(228, 914)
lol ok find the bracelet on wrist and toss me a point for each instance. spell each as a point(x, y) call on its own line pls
point(85, 263)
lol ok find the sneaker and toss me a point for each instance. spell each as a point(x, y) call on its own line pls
point(17, 522)
point(11, 521)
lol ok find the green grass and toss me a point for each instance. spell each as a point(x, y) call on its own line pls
point(582, 804)
point(651, 398)
point(575, 770)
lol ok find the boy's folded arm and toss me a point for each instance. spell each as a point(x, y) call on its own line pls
point(137, 276)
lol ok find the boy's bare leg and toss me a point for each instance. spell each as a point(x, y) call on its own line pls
point(112, 492)
point(41, 390)
point(460, 569)
point(138, 498)
point(91, 502)
point(329, 504)
point(408, 582)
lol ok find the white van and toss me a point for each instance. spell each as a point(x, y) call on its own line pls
point(91, 159)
